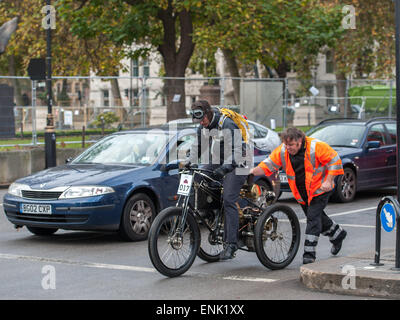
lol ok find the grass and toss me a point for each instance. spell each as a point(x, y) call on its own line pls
point(17, 144)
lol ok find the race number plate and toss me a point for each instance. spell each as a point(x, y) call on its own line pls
point(35, 208)
point(185, 184)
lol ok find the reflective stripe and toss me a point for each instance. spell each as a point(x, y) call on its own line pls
point(269, 165)
point(335, 167)
point(283, 158)
point(333, 226)
point(311, 238)
point(268, 162)
point(290, 177)
point(312, 151)
point(299, 199)
point(320, 169)
point(309, 248)
point(338, 231)
point(335, 159)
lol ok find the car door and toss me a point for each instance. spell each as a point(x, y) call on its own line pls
point(178, 150)
point(391, 153)
point(373, 163)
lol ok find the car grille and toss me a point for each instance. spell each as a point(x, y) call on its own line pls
point(47, 195)
point(61, 218)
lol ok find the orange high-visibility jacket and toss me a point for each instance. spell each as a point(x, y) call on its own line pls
point(319, 161)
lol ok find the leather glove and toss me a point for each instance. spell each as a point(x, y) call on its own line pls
point(219, 173)
point(185, 164)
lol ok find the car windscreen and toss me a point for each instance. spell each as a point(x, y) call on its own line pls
point(131, 148)
point(339, 135)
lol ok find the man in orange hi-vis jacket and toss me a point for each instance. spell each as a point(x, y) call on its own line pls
point(311, 166)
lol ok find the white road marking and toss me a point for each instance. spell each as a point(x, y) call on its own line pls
point(346, 213)
point(238, 278)
point(350, 212)
point(127, 268)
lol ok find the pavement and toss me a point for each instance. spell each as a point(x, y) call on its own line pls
point(354, 275)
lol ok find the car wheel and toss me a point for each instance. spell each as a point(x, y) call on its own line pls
point(346, 187)
point(137, 218)
point(42, 231)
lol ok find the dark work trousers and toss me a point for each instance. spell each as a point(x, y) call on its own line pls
point(319, 223)
point(232, 184)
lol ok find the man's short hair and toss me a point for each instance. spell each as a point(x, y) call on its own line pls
point(292, 133)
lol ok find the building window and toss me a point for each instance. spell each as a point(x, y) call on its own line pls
point(329, 92)
point(135, 68)
point(146, 68)
point(106, 98)
point(329, 62)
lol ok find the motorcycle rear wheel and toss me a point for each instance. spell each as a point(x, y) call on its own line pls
point(277, 236)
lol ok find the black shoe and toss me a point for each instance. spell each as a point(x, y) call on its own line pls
point(307, 260)
point(228, 252)
point(336, 247)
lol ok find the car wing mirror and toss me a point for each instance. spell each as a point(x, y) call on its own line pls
point(373, 144)
point(170, 166)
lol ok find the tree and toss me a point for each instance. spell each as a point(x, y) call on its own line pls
point(162, 25)
point(368, 50)
point(277, 33)
point(70, 54)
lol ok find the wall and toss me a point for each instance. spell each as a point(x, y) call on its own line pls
point(20, 163)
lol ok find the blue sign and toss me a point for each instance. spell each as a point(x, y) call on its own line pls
point(388, 217)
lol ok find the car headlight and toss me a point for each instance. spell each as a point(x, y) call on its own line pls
point(16, 188)
point(85, 191)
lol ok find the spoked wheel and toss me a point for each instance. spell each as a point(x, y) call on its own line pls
point(277, 237)
point(210, 248)
point(172, 251)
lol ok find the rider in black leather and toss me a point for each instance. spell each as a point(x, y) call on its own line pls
point(222, 160)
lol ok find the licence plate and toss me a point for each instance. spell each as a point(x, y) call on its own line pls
point(185, 184)
point(36, 208)
point(283, 177)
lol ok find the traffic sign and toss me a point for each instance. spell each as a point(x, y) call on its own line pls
point(388, 217)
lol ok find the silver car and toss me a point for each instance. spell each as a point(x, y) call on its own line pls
point(264, 138)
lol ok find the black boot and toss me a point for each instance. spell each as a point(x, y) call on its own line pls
point(338, 243)
point(228, 252)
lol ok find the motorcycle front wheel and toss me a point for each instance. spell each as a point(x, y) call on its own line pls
point(277, 236)
point(172, 249)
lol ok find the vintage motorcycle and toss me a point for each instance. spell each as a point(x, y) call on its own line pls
point(195, 226)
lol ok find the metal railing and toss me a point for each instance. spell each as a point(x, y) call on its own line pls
point(81, 101)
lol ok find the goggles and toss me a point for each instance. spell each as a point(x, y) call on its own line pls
point(197, 114)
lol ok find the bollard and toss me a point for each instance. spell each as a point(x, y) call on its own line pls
point(395, 204)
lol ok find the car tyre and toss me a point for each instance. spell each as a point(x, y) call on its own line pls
point(42, 231)
point(346, 186)
point(137, 217)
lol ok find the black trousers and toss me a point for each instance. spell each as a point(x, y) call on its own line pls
point(232, 184)
point(319, 223)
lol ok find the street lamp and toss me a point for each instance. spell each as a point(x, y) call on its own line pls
point(50, 134)
point(397, 18)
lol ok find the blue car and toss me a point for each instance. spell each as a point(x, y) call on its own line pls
point(119, 184)
point(368, 153)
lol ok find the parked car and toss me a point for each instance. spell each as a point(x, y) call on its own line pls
point(263, 138)
point(118, 184)
point(367, 150)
